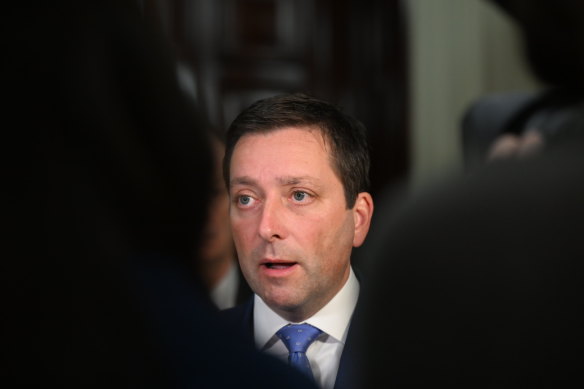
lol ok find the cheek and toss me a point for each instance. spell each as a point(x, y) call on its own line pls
point(332, 240)
point(335, 230)
point(336, 256)
point(242, 234)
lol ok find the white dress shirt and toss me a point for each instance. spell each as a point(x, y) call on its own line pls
point(325, 352)
point(224, 294)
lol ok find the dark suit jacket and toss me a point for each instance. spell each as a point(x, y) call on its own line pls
point(241, 317)
point(185, 345)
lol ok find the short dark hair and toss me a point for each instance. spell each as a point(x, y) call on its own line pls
point(347, 135)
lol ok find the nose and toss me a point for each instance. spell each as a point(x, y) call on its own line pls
point(272, 225)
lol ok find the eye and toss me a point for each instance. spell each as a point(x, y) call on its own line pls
point(300, 196)
point(244, 200)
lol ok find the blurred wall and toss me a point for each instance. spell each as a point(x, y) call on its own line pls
point(459, 50)
point(411, 87)
point(350, 52)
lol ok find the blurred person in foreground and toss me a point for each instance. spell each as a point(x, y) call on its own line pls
point(109, 171)
point(479, 282)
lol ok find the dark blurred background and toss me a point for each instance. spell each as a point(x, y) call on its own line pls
point(408, 69)
point(350, 52)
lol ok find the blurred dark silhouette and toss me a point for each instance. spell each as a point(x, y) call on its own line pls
point(479, 282)
point(216, 259)
point(108, 177)
point(553, 39)
point(218, 265)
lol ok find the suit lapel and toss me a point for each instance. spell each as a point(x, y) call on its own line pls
point(348, 375)
point(240, 319)
point(247, 318)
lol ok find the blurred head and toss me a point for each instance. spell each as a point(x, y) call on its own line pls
point(112, 170)
point(553, 34)
point(294, 219)
point(217, 244)
point(117, 137)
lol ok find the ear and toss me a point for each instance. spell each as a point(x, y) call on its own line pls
point(362, 213)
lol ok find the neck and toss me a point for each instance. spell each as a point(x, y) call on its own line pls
point(295, 316)
point(301, 313)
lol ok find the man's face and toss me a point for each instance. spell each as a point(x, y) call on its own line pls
point(291, 227)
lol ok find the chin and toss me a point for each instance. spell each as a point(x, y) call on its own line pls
point(282, 300)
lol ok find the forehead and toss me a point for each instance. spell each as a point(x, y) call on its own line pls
point(289, 151)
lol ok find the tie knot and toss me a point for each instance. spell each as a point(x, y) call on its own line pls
point(297, 337)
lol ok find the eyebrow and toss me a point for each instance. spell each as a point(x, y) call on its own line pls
point(290, 180)
point(285, 181)
point(244, 180)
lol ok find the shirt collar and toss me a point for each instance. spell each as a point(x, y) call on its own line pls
point(334, 318)
point(224, 293)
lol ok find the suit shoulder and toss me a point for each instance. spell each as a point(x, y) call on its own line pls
point(240, 318)
point(235, 314)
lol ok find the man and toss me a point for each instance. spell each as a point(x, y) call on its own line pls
point(218, 263)
point(297, 173)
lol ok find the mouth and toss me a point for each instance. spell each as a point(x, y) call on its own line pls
point(278, 266)
point(282, 265)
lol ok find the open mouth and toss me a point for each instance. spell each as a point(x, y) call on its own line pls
point(279, 265)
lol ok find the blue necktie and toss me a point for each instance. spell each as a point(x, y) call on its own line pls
point(297, 338)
